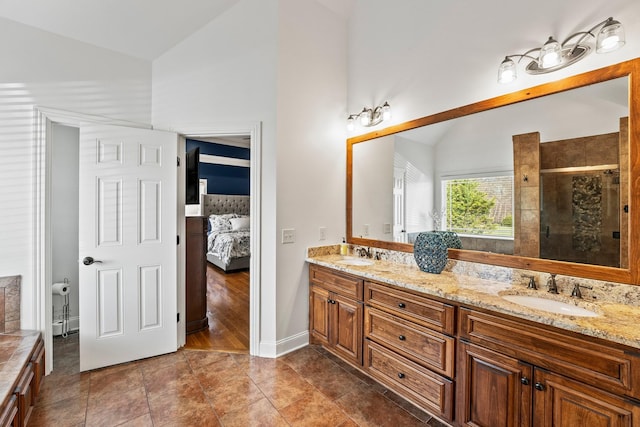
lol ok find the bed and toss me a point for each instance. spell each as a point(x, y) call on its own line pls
point(228, 238)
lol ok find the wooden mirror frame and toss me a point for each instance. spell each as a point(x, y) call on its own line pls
point(630, 69)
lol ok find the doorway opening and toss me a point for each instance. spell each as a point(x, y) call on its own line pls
point(65, 320)
point(217, 281)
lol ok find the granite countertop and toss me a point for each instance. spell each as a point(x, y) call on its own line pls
point(614, 323)
point(15, 350)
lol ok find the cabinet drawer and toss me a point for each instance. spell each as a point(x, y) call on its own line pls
point(339, 283)
point(9, 416)
point(420, 386)
point(425, 311)
point(38, 368)
point(583, 359)
point(422, 345)
point(24, 393)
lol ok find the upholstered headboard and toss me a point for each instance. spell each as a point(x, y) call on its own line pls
point(222, 204)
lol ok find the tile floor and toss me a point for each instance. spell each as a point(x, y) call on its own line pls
point(308, 387)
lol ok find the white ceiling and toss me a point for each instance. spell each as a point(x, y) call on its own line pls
point(140, 28)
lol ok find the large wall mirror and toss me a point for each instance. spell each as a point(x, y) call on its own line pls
point(541, 179)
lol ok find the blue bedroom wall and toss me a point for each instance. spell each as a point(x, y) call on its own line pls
point(223, 179)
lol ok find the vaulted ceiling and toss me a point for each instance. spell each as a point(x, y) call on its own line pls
point(143, 29)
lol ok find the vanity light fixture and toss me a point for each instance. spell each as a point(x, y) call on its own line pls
point(370, 116)
point(554, 56)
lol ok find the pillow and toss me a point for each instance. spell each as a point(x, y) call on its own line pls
point(240, 223)
point(219, 223)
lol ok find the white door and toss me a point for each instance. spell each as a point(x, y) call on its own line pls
point(399, 232)
point(128, 228)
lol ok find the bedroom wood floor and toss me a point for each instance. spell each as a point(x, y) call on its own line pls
point(227, 311)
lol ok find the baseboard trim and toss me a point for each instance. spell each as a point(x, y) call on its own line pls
point(281, 347)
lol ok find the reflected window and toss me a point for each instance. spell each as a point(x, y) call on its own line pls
point(479, 206)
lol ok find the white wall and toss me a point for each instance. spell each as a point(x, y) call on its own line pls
point(373, 176)
point(311, 159)
point(282, 63)
point(426, 57)
point(42, 69)
point(64, 214)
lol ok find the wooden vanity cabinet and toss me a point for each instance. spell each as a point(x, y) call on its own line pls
point(17, 406)
point(335, 312)
point(534, 376)
point(407, 347)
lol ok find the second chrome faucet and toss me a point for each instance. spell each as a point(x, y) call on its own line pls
point(552, 287)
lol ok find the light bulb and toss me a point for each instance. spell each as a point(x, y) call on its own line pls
point(610, 37)
point(386, 111)
point(507, 71)
point(351, 123)
point(550, 54)
point(365, 117)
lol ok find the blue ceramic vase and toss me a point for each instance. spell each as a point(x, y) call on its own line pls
point(430, 252)
point(450, 239)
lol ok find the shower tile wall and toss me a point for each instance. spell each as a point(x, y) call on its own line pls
point(526, 193)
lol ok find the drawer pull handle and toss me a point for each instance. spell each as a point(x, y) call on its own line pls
point(402, 338)
point(400, 375)
point(524, 380)
point(401, 305)
point(539, 386)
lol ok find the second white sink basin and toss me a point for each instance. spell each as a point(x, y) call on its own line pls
point(355, 261)
point(551, 306)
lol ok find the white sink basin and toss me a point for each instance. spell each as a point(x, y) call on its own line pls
point(549, 305)
point(355, 261)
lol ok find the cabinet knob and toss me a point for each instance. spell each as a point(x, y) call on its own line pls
point(402, 338)
point(539, 386)
point(400, 375)
point(401, 305)
point(524, 380)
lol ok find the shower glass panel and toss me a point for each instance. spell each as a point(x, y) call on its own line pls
point(580, 216)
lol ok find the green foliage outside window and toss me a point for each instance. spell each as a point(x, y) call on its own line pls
point(480, 206)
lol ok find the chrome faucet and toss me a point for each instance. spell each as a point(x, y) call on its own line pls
point(551, 284)
point(364, 252)
point(576, 290)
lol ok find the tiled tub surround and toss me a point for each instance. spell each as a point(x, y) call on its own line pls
point(9, 304)
point(479, 285)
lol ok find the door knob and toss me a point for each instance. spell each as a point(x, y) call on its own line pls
point(88, 261)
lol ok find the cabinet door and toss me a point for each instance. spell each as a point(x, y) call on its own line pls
point(346, 327)
point(561, 402)
point(319, 315)
point(493, 390)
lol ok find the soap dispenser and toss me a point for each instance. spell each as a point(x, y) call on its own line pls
point(344, 248)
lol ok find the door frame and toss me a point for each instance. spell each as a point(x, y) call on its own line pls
point(254, 130)
point(42, 255)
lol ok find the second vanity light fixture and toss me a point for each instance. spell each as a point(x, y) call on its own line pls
point(554, 56)
point(369, 116)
